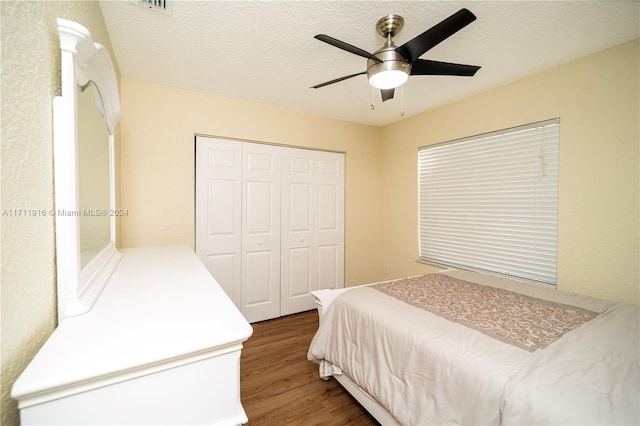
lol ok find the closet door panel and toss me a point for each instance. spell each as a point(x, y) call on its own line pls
point(300, 196)
point(328, 272)
point(330, 235)
point(312, 183)
point(257, 284)
point(226, 266)
point(328, 208)
point(261, 232)
point(300, 267)
point(299, 216)
point(218, 211)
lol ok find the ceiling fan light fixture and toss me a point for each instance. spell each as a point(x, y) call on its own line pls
point(389, 79)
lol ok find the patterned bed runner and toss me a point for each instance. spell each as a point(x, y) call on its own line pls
point(524, 321)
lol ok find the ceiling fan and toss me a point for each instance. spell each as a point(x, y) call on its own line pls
point(390, 66)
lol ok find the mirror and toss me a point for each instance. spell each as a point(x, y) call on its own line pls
point(93, 175)
point(84, 121)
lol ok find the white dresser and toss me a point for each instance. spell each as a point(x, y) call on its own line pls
point(160, 346)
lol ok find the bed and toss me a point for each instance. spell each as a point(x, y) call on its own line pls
point(461, 347)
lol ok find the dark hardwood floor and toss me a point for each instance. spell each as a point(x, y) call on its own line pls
point(279, 386)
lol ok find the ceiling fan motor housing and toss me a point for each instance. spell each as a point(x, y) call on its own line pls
point(392, 61)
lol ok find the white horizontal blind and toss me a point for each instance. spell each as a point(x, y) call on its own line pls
point(490, 202)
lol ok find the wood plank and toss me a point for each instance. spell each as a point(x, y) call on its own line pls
point(279, 386)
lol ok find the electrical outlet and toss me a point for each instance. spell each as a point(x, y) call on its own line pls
point(386, 268)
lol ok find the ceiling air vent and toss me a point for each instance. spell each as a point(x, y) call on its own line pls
point(163, 6)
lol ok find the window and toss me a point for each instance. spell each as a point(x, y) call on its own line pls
point(490, 202)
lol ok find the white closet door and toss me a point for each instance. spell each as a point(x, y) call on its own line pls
point(261, 232)
point(218, 211)
point(312, 226)
point(270, 223)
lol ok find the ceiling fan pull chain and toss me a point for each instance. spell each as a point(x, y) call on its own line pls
point(372, 97)
point(401, 101)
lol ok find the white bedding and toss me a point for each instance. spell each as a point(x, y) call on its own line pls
point(431, 350)
point(589, 376)
point(425, 369)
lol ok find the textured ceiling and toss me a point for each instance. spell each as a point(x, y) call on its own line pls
point(265, 52)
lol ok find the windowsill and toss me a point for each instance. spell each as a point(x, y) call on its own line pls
point(447, 268)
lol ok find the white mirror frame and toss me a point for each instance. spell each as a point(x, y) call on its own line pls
point(82, 61)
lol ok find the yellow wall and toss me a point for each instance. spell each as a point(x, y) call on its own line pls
point(599, 177)
point(157, 164)
point(30, 80)
point(596, 98)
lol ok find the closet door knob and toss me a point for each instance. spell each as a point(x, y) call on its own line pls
point(259, 242)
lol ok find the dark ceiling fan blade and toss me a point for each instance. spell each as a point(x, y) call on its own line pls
point(427, 67)
point(415, 47)
point(317, 86)
point(346, 46)
point(386, 94)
